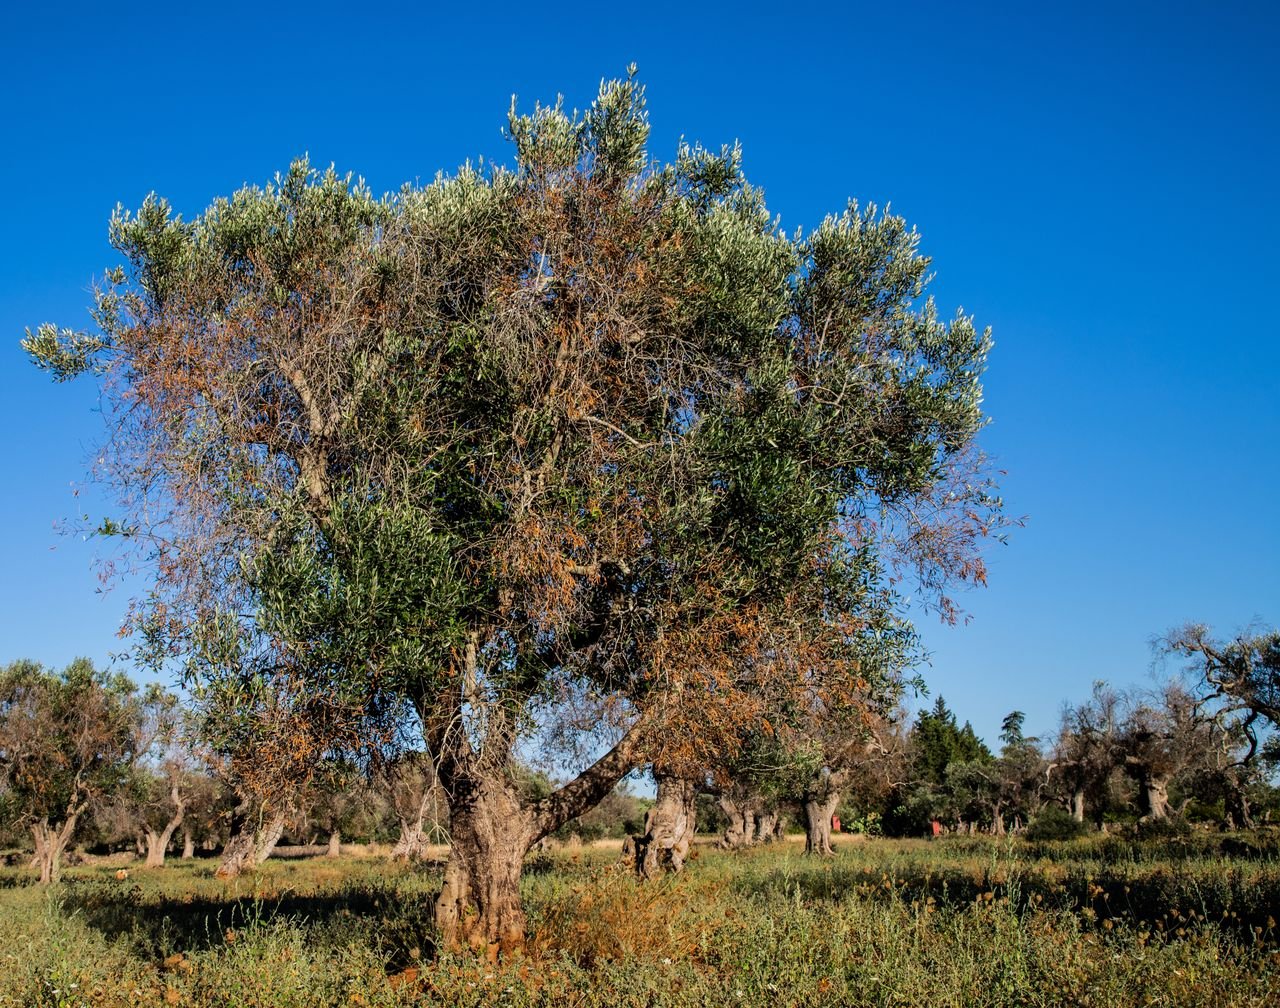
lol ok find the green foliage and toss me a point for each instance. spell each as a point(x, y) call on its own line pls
point(588, 432)
point(66, 738)
point(937, 742)
point(1054, 823)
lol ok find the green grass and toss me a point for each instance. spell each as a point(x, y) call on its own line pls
point(956, 922)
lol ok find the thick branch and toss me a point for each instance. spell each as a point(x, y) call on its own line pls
point(589, 788)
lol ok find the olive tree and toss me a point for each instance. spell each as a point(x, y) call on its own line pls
point(1087, 752)
point(544, 453)
point(67, 740)
point(1165, 735)
point(1238, 684)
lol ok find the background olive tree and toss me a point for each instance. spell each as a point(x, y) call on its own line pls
point(67, 740)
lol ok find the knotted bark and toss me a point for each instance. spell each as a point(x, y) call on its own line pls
point(1155, 796)
point(741, 815)
point(51, 841)
point(479, 904)
point(751, 819)
point(820, 803)
point(411, 845)
point(817, 822)
point(1236, 811)
point(669, 827)
point(158, 840)
point(492, 826)
point(250, 846)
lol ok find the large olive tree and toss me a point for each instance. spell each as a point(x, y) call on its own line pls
point(553, 451)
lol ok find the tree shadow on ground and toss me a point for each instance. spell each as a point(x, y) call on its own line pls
point(156, 925)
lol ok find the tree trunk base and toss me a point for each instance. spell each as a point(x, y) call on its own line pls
point(479, 904)
point(669, 828)
point(817, 832)
point(248, 848)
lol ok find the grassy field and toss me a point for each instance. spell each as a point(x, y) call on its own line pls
point(955, 922)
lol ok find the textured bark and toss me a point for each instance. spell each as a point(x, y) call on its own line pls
point(1238, 815)
point(479, 903)
point(249, 847)
point(1155, 796)
point(492, 828)
point(741, 822)
point(818, 811)
point(267, 840)
point(669, 827)
point(751, 821)
point(820, 803)
point(158, 841)
point(335, 844)
point(188, 844)
point(411, 844)
point(51, 842)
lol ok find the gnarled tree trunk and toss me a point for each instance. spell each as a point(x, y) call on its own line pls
point(820, 803)
point(669, 826)
point(742, 821)
point(767, 826)
point(492, 827)
point(817, 823)
point(250, 846)
point(1155, 796)
point(479, 904)
point(51, 842)
point(158, 841)
point(335, 844)
point(1077, 805)
point(188, 844)
point(1235, 805)
point(412, 842)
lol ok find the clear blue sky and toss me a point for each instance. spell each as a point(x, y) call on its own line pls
point(1099, 185)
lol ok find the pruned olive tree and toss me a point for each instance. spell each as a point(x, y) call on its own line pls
point(417, 803)
point(549, 451)
point(1165, 735)
point(1088, 752)
point(1238, 683)
point(152, 803)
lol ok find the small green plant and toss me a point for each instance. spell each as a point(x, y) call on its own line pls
point(1054, 823)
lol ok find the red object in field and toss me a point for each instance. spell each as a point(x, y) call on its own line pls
point(935, 828)
point(835, 824)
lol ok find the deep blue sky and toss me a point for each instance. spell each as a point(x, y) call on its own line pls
point(1099, 185)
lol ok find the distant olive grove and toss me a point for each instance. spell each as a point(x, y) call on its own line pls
point(91, 763)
